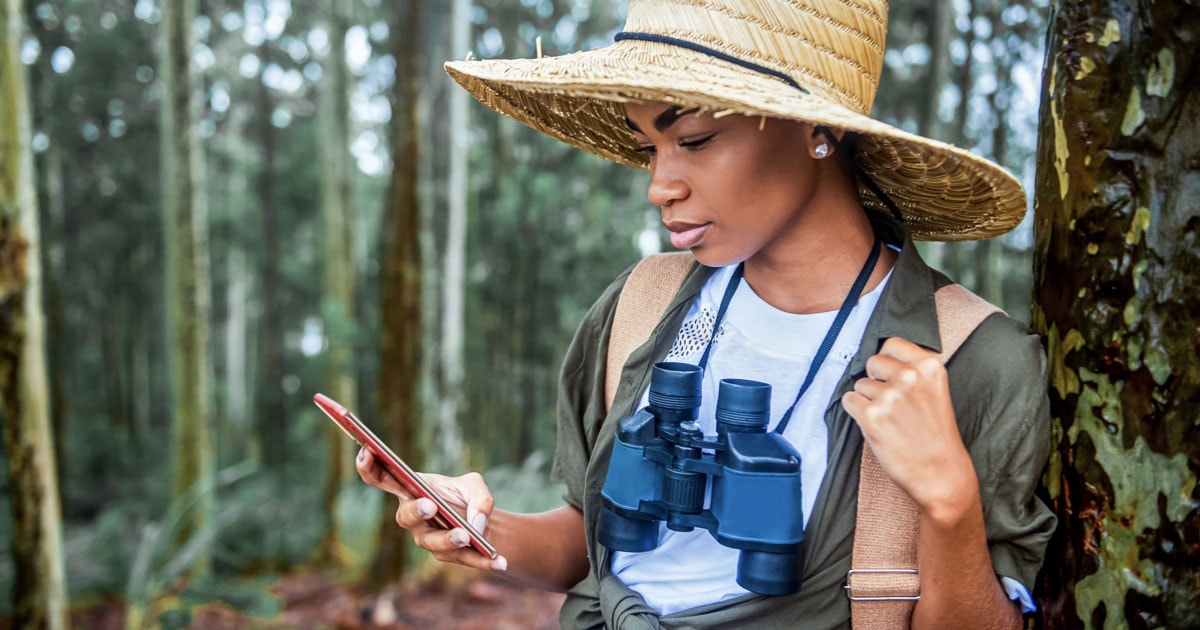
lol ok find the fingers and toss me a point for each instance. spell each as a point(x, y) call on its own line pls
point(902, 383)
point(374, 475)
point(903, 349)
point(904, 364)
point(446, 545)
point(419, 514)
point(478, 499)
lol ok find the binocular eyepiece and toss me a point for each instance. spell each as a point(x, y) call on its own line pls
point(662, 466)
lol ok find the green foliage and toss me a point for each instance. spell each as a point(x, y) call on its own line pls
point(159, 563)
point(280, 521)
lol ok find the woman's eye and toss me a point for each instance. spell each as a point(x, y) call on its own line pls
point(698, 142)
point(648, 149)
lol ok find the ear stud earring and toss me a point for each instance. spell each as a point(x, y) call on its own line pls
point(822, 151)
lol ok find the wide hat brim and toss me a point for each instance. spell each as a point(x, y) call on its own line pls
point(943, 192)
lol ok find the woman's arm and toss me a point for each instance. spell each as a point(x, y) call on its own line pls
point(959, 588)
point(904, 410)
point(546, 550)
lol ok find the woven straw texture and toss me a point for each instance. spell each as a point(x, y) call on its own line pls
point(832, 48)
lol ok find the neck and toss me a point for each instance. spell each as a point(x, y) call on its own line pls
point(812, 269)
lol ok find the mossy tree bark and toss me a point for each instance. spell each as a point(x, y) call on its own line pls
point(39, 593)
point(1116, 271)
point(185, 221)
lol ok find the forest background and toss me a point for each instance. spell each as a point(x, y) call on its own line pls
point(356, 225)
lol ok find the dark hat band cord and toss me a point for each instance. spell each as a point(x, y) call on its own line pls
point(837, 145)
point(683, 43)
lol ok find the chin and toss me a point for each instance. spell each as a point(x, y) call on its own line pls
point(715, 258)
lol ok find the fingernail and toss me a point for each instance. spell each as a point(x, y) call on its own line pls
point(425, 508)
point(500, 564)
point(362, 455)
point(459, 538)
point(479, 522)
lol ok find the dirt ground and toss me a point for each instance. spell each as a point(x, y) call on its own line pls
point(313, 601)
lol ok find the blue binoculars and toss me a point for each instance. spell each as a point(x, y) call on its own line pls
point(662, 466)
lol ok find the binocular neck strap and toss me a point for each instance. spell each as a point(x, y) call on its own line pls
point(730, 289)
point(831, 335)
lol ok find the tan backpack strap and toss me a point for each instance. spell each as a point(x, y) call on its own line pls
point(648, 292)
point(883, 583)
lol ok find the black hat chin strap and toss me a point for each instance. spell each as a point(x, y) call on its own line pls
point(859, 173)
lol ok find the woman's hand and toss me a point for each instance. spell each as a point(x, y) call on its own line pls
point(451, 545)
point(904, 411)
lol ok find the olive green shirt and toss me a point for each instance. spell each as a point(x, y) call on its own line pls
point(998, 387)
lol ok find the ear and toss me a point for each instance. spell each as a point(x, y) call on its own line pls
point(823, 141)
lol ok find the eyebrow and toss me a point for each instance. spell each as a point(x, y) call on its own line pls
point(665, 119)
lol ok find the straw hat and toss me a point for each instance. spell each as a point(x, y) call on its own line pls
point(816, 61)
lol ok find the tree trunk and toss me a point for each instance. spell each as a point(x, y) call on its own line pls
point(240, 287)
point(52, 267)
point(39, 594)
point(143, 354)
point(449, 439)
point(271, 414)
point(400, 293)
point(1116, 269)
point(338, 306)
point(186, 239)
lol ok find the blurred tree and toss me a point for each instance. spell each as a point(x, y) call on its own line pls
point(1116, 269)
point(338, 302)
point(271, 413)
point(400, 289)
point(188, 290)
point(51, 261)
point(39, 599)
point(451, 377)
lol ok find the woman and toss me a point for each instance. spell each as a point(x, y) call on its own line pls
point(753, 120)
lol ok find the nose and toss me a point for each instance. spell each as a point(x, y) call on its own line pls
point(666, 185)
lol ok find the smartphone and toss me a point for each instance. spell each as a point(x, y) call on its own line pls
point(447, 517)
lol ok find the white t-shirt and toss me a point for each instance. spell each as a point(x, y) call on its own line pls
point(761, 343)
point(756, 341)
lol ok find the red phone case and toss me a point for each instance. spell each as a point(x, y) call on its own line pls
point(447, 517)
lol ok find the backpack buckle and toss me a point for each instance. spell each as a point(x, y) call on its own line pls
point(883, 585)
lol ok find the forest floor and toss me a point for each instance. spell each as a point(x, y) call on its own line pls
point(315, 601)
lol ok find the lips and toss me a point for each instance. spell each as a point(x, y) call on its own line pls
point(687, 235)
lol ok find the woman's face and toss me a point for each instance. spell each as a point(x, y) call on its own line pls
point(728, 188)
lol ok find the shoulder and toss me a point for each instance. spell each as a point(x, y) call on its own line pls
point(999, 390)
point(1001, 350)
point(999, 347)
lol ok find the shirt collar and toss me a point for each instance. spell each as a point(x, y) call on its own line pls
point(906, 309)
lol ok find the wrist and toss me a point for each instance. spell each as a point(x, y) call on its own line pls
point(954, 499)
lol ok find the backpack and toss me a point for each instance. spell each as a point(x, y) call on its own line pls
point(883, 584)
